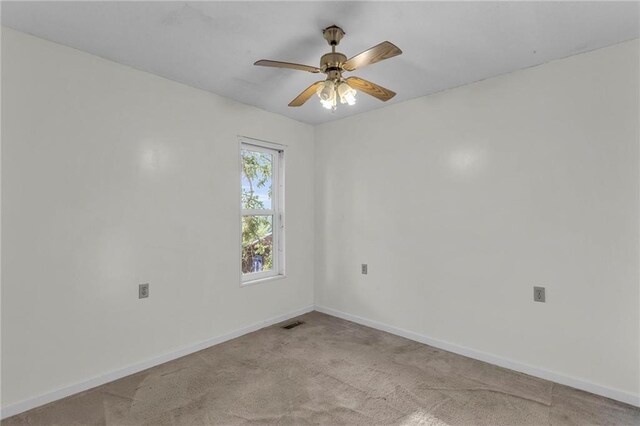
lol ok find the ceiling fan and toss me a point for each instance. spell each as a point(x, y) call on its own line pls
point(333, 65)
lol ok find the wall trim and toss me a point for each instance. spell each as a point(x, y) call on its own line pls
point(30, 403)
point(553, 376)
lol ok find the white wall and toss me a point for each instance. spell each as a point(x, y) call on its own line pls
point(462, 201)
point(113, 177)
point(459, 202)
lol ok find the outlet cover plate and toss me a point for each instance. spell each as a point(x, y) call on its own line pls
point(538, 294)
point(364, 269)
point(143, 291)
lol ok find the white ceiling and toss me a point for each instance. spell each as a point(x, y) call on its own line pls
point(212, 45)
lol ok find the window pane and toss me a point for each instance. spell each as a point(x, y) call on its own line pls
point(257, 244)
point(256, 179)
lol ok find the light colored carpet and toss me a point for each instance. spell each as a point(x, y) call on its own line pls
point(329, 371)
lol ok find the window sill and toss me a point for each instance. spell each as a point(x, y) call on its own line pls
point(262, 280)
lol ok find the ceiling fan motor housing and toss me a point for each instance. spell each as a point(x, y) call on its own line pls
point(332, 61)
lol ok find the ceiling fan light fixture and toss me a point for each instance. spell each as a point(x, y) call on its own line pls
point(331, 104)
point(327, 94)
point(327, 90)
point(347, 94)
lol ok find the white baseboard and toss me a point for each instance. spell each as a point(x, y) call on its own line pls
point(618, 395)
point(54, 395)
point(48, 397)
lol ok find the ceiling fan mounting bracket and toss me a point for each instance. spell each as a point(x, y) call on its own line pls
point(333, 35)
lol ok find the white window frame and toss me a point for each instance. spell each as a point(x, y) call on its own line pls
point(277, 209)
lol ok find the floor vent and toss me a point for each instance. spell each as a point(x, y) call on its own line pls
point(293, 325)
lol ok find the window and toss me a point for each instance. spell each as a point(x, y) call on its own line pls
point(261, 204)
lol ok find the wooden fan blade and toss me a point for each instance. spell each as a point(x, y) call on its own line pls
point(306, 94)
point(384, 50)
point(371, 88)
point(278, 64)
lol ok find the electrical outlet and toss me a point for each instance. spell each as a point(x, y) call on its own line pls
point(364, 269)
point(538, 294)
point(143, 291)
